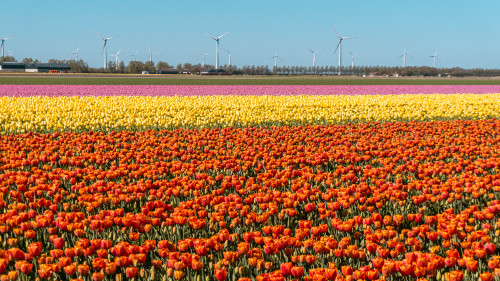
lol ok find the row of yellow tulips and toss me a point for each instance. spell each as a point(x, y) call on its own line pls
point(48, 114)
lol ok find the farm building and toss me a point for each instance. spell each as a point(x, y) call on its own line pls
point(213, 72)
point(48, 67)
point(12, 66)
point(34, 67)
point(167, 71)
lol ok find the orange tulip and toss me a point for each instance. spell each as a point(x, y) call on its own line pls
point(131, 272)
point(220, 274)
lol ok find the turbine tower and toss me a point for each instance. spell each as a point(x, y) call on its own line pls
point(116, 58)
point(276, 57)
point(3, 44)
point(352, 58)
point(339, 47)
point(151, 54)
point(217, 48)
point(203, 59)
point(314, 56)
point(105, 49)
point(229, 53)
point(404, 57)
point(434, 57)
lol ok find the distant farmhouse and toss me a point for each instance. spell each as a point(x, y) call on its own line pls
point(34, 67)
point(213, 72)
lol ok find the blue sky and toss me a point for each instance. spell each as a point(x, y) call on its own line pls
point(465, 33)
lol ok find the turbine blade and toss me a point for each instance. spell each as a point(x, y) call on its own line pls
point(348, 37)
point(222, 35)
point(206, 34)
point(337, 47)
point(338, 35)
point(410, 56)
point(100, 35)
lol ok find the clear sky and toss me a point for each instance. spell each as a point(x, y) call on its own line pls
point(464, 33)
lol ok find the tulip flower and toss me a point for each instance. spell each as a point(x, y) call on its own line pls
point(58, 243)
point(131, 272)
point(297, 271)
point(98, 276)
point(220, 274)
point(286, 268)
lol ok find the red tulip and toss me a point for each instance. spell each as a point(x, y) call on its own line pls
point(58, 242)
point(98, 276)
point(297, 271)
point(456, 275)
point(378, 262)
point(220, 274)
point(131, 272)
point(286, 268)
point(347, 270)
point(178, 274)
point(372, 274)
point(24, 267)
point(405, 269)
point(70, 269)
point(487, 276)
point(490, 248)
point(13, 275)
point(34, 249)
point(472, 265)
point(83, 269)
point(331, 273)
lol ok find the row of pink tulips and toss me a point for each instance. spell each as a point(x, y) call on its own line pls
point(201, 90)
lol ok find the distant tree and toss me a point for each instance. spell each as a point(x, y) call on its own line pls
point(179, 67)
point(149, 67)
point(78, 66)
point(121, 67)
point(187, 66)
point(162, 65)
point(8, 59)
point(57, 61)
point(135, 66)
point(27, 60)
point(111, 67)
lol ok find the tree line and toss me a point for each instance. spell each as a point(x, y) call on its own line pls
point(137, 67)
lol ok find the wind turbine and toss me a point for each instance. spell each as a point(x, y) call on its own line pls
point(3, 44)
point(217, 48)
point(276, 57)
point(105, 49)
point(314, 56)
point(352, 58)
point(135, 55)
point(203, 59)
point(75, 53)
point(339, 47)
point(434, 57)
point(151, 54)
point(229, 53)
point(116, 58)
point(404, 56)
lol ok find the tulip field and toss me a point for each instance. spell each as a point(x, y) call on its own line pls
point(240, 183)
